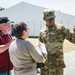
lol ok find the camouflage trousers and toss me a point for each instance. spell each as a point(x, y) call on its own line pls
point(51, 71)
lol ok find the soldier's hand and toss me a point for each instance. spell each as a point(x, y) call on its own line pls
point(74, 28)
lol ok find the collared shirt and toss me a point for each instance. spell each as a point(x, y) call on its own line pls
point(5, 63)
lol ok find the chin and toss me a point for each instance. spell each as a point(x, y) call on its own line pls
point(7, 33)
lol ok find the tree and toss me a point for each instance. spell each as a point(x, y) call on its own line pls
point(2, 8)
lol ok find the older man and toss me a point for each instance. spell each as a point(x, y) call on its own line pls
point(5, 40)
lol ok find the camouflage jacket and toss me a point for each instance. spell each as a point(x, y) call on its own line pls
point(53, 39)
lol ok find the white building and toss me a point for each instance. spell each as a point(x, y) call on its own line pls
point(32, 15)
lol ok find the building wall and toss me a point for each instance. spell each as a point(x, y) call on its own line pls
point(65, 19)
point(33, 16)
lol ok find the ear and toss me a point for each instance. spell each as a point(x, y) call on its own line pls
point(24, 32)
point(44, 18)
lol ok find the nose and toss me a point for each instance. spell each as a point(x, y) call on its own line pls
point(28, 29)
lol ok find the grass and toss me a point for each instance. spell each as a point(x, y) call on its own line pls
point(67, 46)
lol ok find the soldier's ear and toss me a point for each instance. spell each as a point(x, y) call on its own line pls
point(44, 18)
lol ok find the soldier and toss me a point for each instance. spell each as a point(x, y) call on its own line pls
point(53, 36)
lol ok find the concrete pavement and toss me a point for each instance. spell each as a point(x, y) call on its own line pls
point(70, 63)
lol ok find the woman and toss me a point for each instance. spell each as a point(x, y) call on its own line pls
point(23, 54)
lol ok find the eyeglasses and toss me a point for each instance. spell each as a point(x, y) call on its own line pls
point(28, 28)
point(5, 24)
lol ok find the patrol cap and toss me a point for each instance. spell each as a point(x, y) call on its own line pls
point(49, 13)
point(5, 20)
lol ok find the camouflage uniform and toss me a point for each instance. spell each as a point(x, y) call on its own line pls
point(53, 39)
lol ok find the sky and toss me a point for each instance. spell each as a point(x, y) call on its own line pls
point(65, 6)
